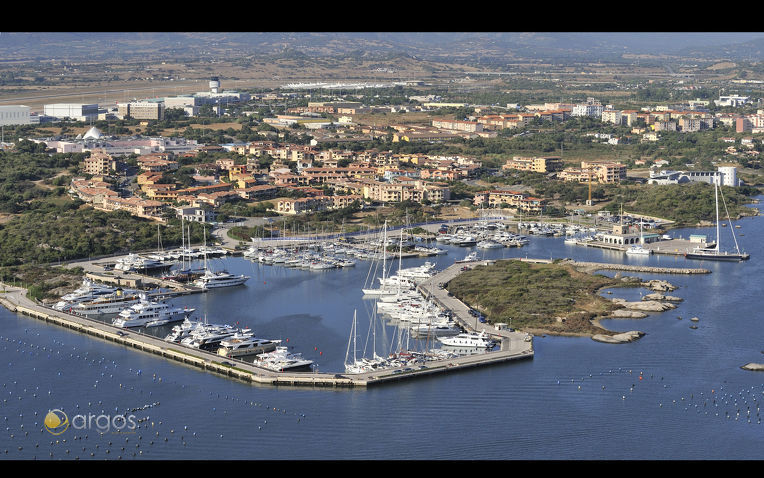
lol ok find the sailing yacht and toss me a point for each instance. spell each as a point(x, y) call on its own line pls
point(638, 249)
point(715, 253)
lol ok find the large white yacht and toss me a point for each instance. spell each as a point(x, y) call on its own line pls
point(106, 306)
point(281, 360)
point(480, 340)
point(241, 345)
point(471, 257)
point(440, 329)
point(211, 280)
point(146, 311)
point(134, 262)
point(209, 336)
point(419, 273)
point(88, 291)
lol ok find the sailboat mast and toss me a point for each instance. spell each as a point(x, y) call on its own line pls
point(716, 199)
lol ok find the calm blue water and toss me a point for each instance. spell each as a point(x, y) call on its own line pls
point(677, 393)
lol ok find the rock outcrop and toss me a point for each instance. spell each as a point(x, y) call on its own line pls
point(622, 338)
point(659, 285)
point(756, 367)
point(627, 314)
point(659, 296)
point(644, 306)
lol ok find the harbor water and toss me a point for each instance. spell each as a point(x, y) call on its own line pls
point(676, 393)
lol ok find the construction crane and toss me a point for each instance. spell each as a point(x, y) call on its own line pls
point(589, 171)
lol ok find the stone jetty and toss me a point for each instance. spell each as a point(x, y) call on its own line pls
point(637, 268)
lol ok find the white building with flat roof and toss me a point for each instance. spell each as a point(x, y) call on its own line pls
point(75, 111)
point(14, 114)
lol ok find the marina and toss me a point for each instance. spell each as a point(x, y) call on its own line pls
point(409, 298)
point(216, 411)
point(513, 346)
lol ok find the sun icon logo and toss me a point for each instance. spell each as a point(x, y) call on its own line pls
point(56, 422)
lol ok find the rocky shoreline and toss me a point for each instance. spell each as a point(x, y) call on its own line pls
point(653, 302)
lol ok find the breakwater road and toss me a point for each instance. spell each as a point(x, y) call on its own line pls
point(514, 342)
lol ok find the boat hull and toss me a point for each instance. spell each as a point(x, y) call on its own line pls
point(717, 257)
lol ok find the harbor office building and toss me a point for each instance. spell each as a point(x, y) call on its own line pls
point(622, 235)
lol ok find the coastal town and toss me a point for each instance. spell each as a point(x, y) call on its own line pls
point(307, 161)
point(385, 246)
point(135, 173)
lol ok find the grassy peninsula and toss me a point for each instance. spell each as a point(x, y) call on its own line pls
point(540, 298)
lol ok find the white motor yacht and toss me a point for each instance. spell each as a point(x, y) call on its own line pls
point(281, 360)
point(471, 340)
point(147, 311)
point(489, 244)
point(435, 330)
point(88, 291)
point(471, 257)
point(243, 345)
point(106, 306)
point(211, 280)
point(638, 250)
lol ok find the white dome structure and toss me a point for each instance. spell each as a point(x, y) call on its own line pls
point(93, 133)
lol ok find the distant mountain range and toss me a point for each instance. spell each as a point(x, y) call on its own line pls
point(436, 46)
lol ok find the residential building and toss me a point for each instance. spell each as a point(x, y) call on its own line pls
point(591, 108)
point(99, 163)
point(537, 164)
point(689, 125)
point(599, 171)
point(196, 214)
point(612, 116)
point(511, 199)
point(468, 126)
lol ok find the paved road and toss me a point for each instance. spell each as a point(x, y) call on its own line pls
point(515, 341)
